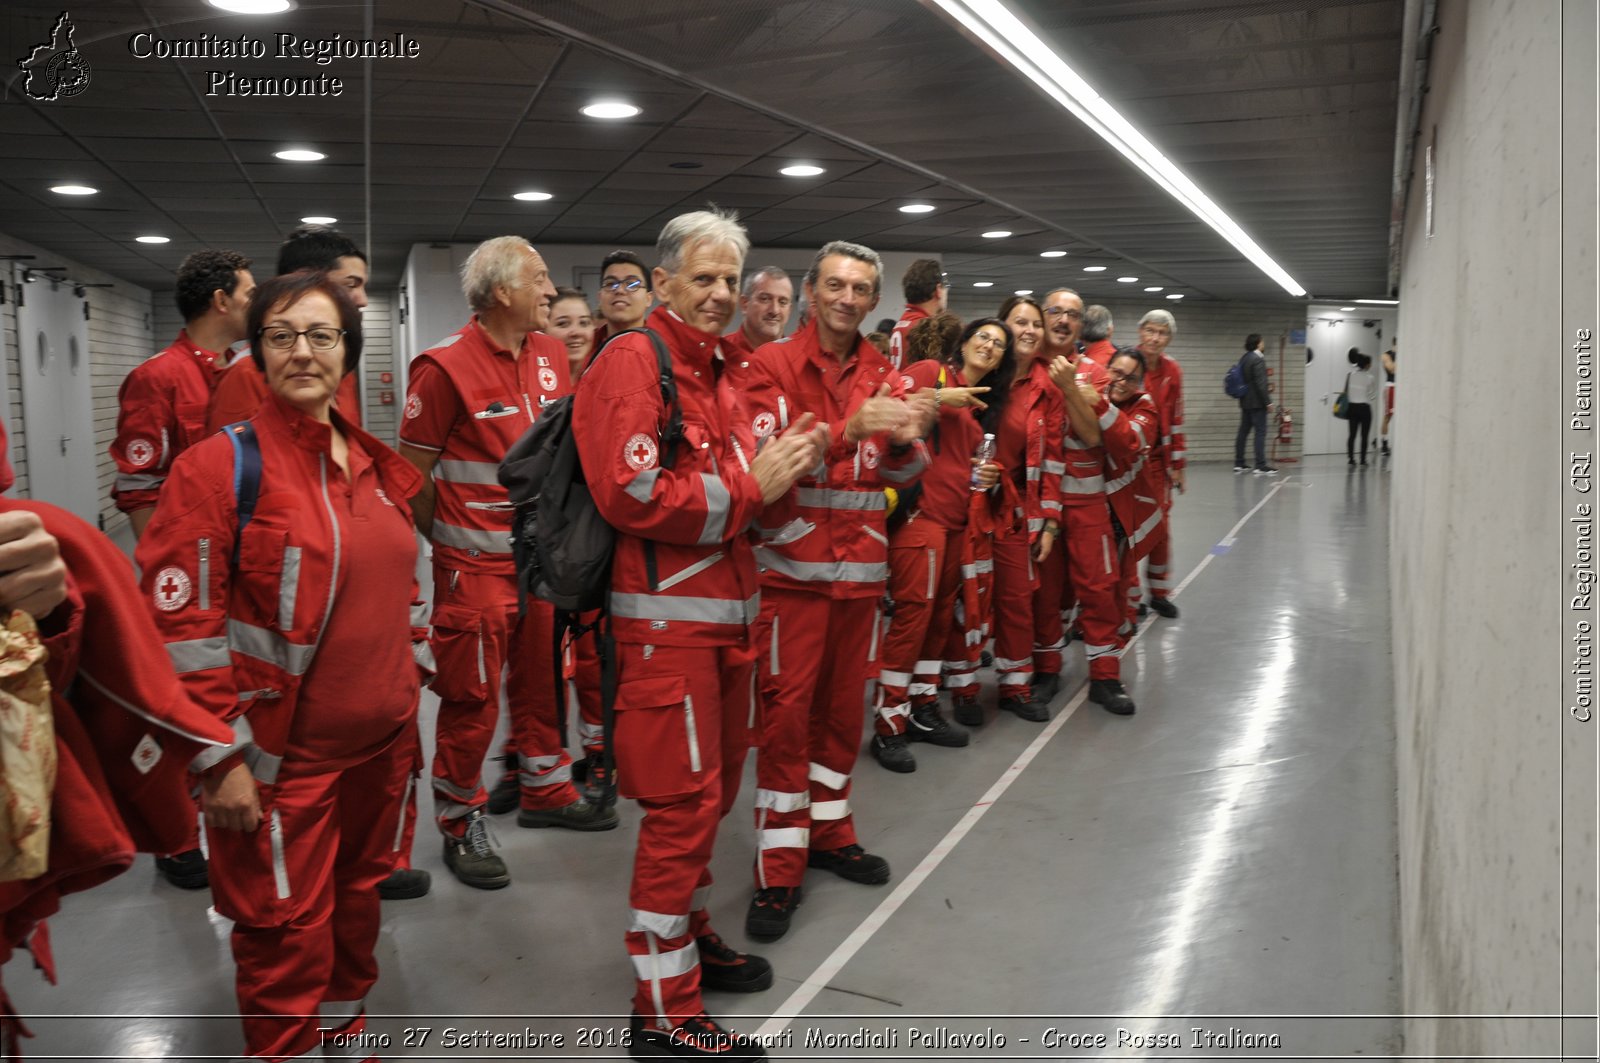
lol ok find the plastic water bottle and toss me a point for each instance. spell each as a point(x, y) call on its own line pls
point(985, 454)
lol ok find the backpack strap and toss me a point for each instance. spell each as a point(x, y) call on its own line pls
point(246, 476)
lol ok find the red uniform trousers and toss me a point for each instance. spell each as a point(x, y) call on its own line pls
point(924, 576)
point(1094, 571)
point(1049, 631)
point(1159, 569)
point(476, 631)
point(818, 653)
point(580, 674)
point(1027, 612)
point(685, 718)
point(406, 831)
point(302, 890)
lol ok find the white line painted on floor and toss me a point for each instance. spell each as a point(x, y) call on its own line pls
point(818, 980)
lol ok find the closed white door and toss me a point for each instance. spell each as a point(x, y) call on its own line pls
point(1329, 342)
point(57, 404)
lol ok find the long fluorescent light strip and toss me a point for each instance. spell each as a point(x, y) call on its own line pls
point(996, 26)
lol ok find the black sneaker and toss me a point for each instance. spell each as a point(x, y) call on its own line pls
point(696, 1038)
point(726, 969)
point(1267, 470)
point(405, 884)
point(927, 725)
point(599, 782)
point(891, 751)
point(472, 859)
point(507, 792)
point(770, 911)
point(1109, 695)
point(1026, 708)
point(851, 863)
point(580, 815)
point(1240, 468)
point(1164, 607)
point(185, 870)
point(1045, 685)
point(1144, 610)
point(967, 711)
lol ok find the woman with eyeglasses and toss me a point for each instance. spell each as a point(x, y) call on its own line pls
point(280, 563)
point(929, 525)
point(1029, 439)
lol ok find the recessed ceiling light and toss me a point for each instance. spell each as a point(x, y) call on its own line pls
point(74, 190)
point(1023, 291)
point(1094, 269)
point(1051, 254)
point(1346, 309)
point(610, 109)
point(299, 155)
point(1380, 302)
point(1155, 288)
point(916, 208)
point(1127, 280)
point(801, 170)
point(318, 219)
point(533, 197)
point(1175, 295)
point(983, 284)
point(997, 234)
point(152, 239)
point(251, 7)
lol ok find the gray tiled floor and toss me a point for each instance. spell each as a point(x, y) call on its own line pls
point(1229, 851)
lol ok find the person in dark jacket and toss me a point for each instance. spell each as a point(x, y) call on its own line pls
point(1253, 407)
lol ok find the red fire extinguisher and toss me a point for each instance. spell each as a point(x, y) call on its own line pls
point(1285, 438)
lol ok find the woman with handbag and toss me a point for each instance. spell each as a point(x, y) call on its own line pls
point(1361, 387)
point(280, 561)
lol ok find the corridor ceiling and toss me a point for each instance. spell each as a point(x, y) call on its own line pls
point(1284, 113)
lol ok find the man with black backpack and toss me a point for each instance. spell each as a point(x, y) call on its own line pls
point(682, 484)
point(1253, 403)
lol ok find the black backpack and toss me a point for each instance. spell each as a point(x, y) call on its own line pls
point(561, 544)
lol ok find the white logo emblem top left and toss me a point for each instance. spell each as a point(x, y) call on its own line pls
point(172, 589)
point(639, 452)
point(141, 452)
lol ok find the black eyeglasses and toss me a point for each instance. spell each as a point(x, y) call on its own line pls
point(1057, 311)
point(284, 339)
point(611, 284)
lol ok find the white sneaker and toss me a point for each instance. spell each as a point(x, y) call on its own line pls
point(1266, 470)
point(1241, 468)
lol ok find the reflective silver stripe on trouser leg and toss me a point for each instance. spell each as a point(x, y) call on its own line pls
point(537, 773)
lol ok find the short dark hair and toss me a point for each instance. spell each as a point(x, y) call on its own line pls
point(631, 259)
point(315, 247)
point(1134, 353)
point(203, 273)
point(285, 290)
point(1252, 341)
point(570, 293)
point(921, 280)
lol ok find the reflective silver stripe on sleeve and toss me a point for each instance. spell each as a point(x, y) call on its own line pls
point(269, 646)
point(288, 587)
point(1055, 468)
point(456, 471)
point(828, 498)
point(700, 610)
point(1179, 455)
point(1050, 503)
point(662, 926)
point(139, 482)
point(1035, 524)
point(1083, 485)
point(718, 502)
point(826, 571)
point(196, 655)
point(643, 485)
point(690, 570)
point(1109, 418)
point(1113, 486)
point(112, 696)
point(242, 737)
point(263, 765)
point(495, 542)
point(905, 474)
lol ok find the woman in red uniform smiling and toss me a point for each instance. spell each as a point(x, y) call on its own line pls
point(925, 550)
point(296, 624)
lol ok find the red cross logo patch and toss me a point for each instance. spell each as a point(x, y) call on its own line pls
point(146, 754)
point(640, 452)
point(172, 589)
point(869, 454)
point(141, 452)
point(413, 407)
point(764, 425)
point(547, 379)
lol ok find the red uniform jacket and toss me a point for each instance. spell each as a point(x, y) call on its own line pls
point(161, 413)
point(1164, 384)
point(845, 552)
point(468, 401)
point(242, 637)
point(1082, 475)
point(1046, 421)
point(1100, 352)
point(897, 335)
point(736, 351)
point(1135, 485)
point(947, 481)
point(243, 389)
point(698, 513)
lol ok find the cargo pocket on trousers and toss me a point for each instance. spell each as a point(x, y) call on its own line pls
point(657, 738)
point(459, 654)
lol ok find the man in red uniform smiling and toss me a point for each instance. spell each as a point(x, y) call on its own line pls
point(469, 399)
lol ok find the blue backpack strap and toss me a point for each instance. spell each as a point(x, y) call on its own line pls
point(246, 476)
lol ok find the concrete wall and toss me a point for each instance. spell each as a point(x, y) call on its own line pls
point(1476, 588)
